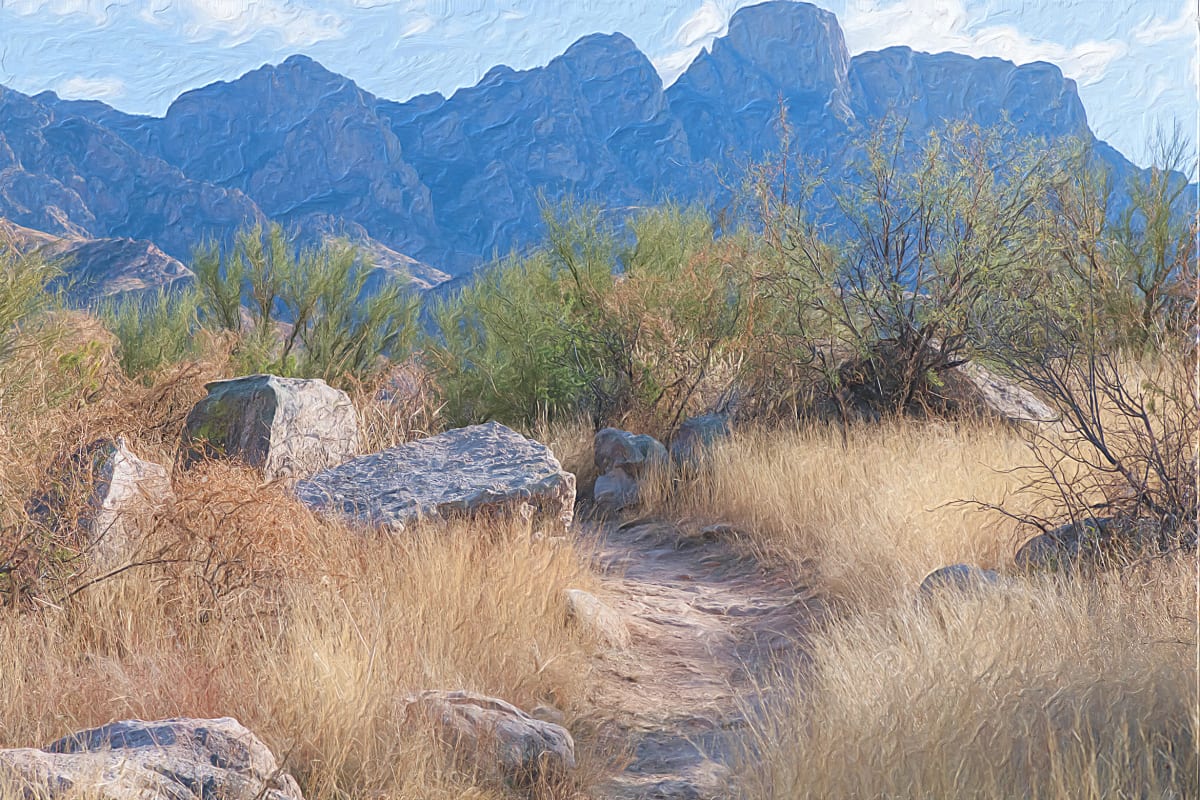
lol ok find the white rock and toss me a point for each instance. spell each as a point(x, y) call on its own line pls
point(1003, 398)
point(496, 739)
point(287, 428)
point(175, 759)
point(108, 493)
point(598, 619)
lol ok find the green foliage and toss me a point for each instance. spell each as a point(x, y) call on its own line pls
point(309, 314)
point(23, 281)
point(595, 322)
point(933, 238)
point(153, 329)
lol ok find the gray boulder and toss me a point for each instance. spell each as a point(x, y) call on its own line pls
point(1000, 397)
point(697, 436)
point(494, 739)
point(174, 759)
point(961, 577)
point(630, 452)
point(107, 494)
point(615, 490)
point(467, 471)
point(1091, 543)
point(623, 458)
point(601, 621)
point(287, 428)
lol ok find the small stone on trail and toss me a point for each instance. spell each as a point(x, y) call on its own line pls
point(594, 616)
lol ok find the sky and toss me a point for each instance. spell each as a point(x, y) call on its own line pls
point(1135, 61)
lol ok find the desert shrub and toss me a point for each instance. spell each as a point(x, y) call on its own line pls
point(153, 329)
point(308, 314)
point(615, 327)
point(1126, 441)
point(23, 282)
point(299, 312)
point(1123, 255)
point(923, 241)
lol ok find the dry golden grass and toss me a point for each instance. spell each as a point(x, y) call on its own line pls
point(313, 635)
point(862, 520)
point(310, 634)
point(1041, 690)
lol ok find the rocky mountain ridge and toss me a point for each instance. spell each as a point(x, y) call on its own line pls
point(454, 181)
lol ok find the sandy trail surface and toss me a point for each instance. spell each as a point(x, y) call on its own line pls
point(707, 626)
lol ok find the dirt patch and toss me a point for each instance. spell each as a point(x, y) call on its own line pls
point(706, 625)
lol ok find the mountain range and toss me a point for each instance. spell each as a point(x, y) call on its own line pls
point(437, 185)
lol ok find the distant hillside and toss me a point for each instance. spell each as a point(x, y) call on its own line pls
point(440, 184)
point(99, 268)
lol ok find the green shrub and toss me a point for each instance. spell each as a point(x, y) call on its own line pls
point(616, 327)
point(926, 241)
point(23, 281)
point(308, 313)
point(153, 329)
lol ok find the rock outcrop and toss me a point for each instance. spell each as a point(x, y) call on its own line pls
point(697, 436)
point(466, 471)
point(623, 459)
point(287, 428)
point(67, 175)
point(174, 759)
point(107, 494)
point(494, 739)
point(93, 269)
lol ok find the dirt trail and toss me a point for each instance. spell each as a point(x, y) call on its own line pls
point(704, 623)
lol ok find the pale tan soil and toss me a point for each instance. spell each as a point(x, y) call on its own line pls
point(707, 626)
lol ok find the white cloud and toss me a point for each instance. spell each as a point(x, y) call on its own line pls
point(696, 33)
point(98, 10)
point(85, 88)
point(422, 24)
point(1156, 30)
point(233, 22)
point(940, 25)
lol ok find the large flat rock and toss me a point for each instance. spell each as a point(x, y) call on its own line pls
point(465, 471)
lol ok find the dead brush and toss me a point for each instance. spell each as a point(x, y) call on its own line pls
point(396, 406)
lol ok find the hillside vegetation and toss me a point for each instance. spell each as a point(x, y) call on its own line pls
point(859, 463)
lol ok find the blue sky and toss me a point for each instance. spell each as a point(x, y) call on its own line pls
point(1135, 60)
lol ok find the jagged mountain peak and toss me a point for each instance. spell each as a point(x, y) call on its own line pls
point(930, 88)
point(453, 180)
point(297, 83)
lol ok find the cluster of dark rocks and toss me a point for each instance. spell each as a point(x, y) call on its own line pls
point(625, 460)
